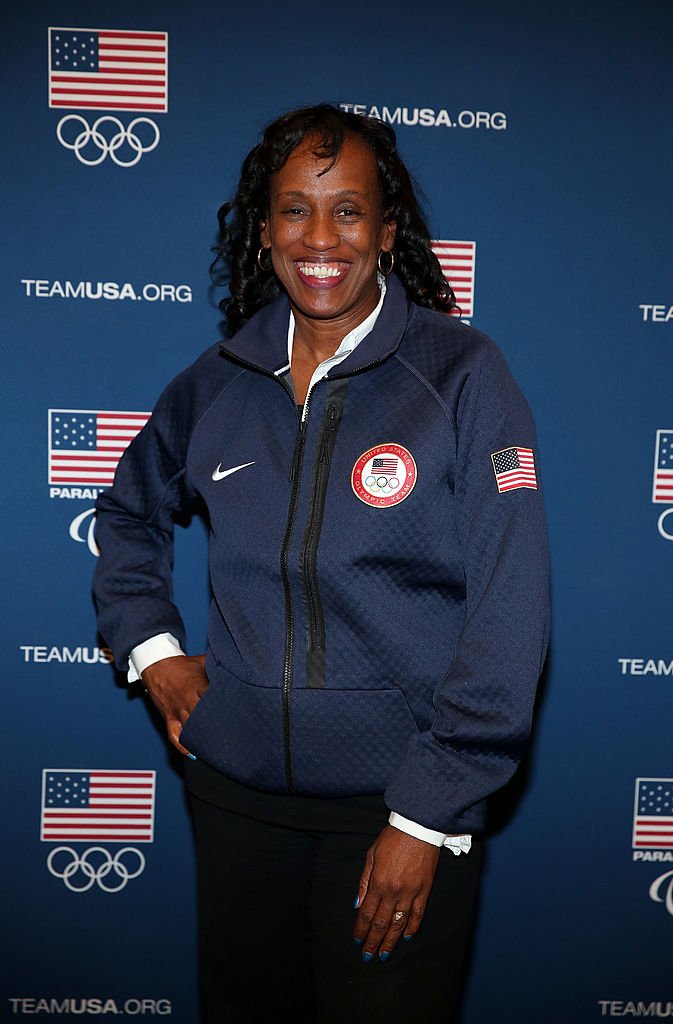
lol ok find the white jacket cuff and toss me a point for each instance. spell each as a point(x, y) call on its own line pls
point(164, 645)
point(457, 844)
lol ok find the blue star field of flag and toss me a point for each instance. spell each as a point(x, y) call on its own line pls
point(506, 460)
point(74, 51)
point(73, 431)
point(655, 797)
point(665, 450)
point(70, 790)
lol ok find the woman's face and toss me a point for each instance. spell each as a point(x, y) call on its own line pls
point(327, 230)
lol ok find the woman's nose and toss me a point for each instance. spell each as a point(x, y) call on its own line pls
point(321, 232)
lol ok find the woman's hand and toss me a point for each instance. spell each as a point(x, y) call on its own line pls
point(398, 876)
point(176, 685)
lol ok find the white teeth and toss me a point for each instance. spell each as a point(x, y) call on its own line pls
point(319, 270)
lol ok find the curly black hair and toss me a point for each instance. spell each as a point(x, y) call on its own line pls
point(250, 287)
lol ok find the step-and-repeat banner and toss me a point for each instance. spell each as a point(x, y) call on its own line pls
point(541, 137)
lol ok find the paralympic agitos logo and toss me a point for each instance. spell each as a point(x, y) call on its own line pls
point(108, 70)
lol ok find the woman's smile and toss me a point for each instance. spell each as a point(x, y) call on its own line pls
point(321, 274)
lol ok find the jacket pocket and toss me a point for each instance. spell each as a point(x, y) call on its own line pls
point(236, 729)
point(342, 742)
point(201, 706)
point(348, 742)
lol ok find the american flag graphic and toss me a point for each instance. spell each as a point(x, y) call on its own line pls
point(108, 69)
point(386, 467)
point(653, 814)
point(80, 804)
point(85, 445)
point(662, 488)
point(514, 467)
point(457, 260)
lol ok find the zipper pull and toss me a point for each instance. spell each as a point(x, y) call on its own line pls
point(332, 416)
point(297, 447)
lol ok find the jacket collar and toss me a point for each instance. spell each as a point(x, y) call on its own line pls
point(262, 342)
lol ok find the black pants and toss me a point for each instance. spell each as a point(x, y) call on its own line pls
point(277, 878)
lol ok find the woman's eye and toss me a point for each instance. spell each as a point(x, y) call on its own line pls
point(294, 211)
point(349, 211)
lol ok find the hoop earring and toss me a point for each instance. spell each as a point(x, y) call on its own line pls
point(388, 272)
point(259, 259)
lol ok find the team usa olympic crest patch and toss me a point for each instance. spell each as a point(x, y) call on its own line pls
point(384, 475)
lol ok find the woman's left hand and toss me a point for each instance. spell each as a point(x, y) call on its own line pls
point(397, 879)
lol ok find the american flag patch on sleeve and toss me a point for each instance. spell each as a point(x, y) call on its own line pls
point(514, 467)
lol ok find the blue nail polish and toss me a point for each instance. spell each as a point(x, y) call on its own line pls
point(366, 957)
point(408, 937)
point(385, 955)
point(192, 757)
point(358, 942)
point(357, 903)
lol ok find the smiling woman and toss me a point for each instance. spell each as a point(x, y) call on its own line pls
point(297, 151)
point(353, 711)
point(326, 229)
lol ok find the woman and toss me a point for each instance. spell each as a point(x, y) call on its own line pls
point(379, 576)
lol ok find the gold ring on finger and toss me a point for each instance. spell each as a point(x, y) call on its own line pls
point(399, 915)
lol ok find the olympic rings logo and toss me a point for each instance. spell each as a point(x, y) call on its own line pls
point(84, 870)
point(382, 483)
point(96, 136)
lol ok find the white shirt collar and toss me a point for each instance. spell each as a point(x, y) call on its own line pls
point(348, 344)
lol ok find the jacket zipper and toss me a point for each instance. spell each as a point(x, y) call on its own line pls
point(316, 645)
point(295, 478)
point(315, 655)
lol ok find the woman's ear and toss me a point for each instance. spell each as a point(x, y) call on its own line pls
point(390, 230)
point(264, 235)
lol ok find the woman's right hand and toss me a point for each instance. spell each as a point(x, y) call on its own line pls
point(176, 685)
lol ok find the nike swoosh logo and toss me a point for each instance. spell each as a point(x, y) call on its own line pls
point(219, 473)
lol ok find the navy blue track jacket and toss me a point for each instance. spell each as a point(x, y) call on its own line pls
point(380, 606)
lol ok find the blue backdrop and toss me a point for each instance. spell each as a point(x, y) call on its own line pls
point(542, 134)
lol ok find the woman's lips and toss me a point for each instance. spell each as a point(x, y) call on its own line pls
point(321, 275)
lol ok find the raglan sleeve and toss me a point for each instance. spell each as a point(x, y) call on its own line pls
point(135, 520)
point(484, 703)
